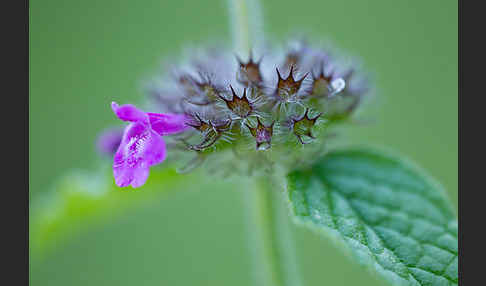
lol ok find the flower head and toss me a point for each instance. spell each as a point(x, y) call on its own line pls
point(255, 110)
point(142, 145)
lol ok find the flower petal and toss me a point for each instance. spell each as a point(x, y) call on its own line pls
point(139, 149)
point(140, 176)
point(109, 140)
point(129, 112)
point(166, 124)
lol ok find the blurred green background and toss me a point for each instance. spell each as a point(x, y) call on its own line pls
point(84, 54)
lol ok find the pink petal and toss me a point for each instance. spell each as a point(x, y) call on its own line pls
point(166, 124)
point(129, 112)
point(140, 176)
point(139, 149)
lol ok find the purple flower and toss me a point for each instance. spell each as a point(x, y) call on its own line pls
point(142, 145)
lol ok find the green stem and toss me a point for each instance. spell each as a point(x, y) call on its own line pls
point(270, 241)
point(246, 24)
point(270, 236)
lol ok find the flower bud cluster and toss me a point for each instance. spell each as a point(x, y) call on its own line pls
point(262, 106)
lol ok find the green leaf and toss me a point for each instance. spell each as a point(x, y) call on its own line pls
point(83, 199)
point(384, 211)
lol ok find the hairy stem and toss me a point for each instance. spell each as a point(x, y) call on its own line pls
point(270, 237)
point(270, 241)
point(246, 25)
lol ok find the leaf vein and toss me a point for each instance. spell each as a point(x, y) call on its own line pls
point(361, 218)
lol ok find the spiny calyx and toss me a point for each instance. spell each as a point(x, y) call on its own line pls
point(211, 132)
point(321, 82)
point(239, 106)
point(262, 134)
point(249, 73)
point(302, 126)
point(288, 87)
